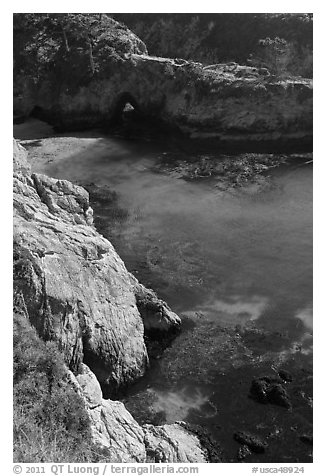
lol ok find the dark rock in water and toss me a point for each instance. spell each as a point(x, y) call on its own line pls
point(258, 390)
point(261, 386)
point(308, 439)
point(243, 452)
point(252, 442)
point(285, 375)
point(270, 390)
point(277, 394)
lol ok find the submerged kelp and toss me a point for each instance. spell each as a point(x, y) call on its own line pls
point(227, 170)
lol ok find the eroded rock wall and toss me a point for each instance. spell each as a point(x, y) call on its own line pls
point(227, 102)
point(75, 288)
point(223, 103)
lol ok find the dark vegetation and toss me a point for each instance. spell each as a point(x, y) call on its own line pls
point(227, 170)
point(73, 46)
point(50, 420)
point(222, 37)
point(68, 45)
point(55, 53)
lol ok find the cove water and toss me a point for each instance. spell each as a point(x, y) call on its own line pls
point(224, 257)
point(236, 255)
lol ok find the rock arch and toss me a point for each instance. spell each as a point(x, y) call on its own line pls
point(203, 105)
point(121, 102)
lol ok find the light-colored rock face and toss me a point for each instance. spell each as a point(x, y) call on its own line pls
point(76, 288)
point(124, 440)
point(112, 426)
point(20, 163)
point(156, 314)
point(172, 444)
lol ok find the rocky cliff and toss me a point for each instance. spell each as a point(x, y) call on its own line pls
point(73, 285)
point(75, 290)
point(225, 102)
point(221, 102)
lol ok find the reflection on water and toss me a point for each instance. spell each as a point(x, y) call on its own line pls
point(306, 316)
point(233, 257)
point(228, 257)
point(177, 404)
point(237, 309)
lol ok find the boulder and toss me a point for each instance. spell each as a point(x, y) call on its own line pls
point(253, 442)
point(172, 444)
point(157, 316)
point(270, 390)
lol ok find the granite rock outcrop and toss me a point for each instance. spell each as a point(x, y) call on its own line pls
point(75, 290)
point(117, 434)
point(74, 287)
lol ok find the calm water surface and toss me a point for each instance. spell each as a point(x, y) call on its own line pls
point(229, 257)
point(235, 255)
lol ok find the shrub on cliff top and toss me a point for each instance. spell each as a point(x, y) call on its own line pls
point(275, 54)
point(50, 421)
point(219, 37)
point(71, 46)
